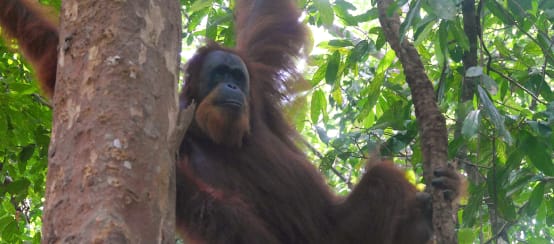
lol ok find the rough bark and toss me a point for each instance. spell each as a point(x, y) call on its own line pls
point(471, 29)
point(111, 165)
point(432, 126)
point(469, 84)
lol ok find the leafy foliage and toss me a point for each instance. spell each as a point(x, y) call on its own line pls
point(25, 122)
point(358, 102)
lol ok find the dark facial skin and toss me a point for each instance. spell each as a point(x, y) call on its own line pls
point(226, 75)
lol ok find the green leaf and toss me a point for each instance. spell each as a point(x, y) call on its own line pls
point(397, 143)
point(496, 118)
point(538, 153)
point(332, 68)
point(340, 43)
point(544, 91)
point(459, 35)
point(336, 94)
point(501, 47)
point(23, 88)
point(521, 181)
point(10, 231)
point(444, 9)
point(497, 191)
point(342, 8)
point(500, 12)
point(466, 235)
point(6, 219)
point(318, 106)
point(443, 37)
point(386, 62)
point(211, 29)
point(374, 88)
point(345, 5)
point(423, 29)
point(26, 153)
point(325, 11)
point(513, 162)
point(507, 208)
point(18, 186)
point(489, 84)
point(438, 44)
point(360, 50)
point(413, 12)
point(319, 75)
point(470, 126)
point(535, 199)
point(537, 240)
point(519, 7)
point(471, 211)
point(3, 126)
point(200, 4)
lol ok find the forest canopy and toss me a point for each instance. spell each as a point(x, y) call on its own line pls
point(491, 64)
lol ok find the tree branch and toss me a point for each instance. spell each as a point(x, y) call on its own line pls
point(432, 125)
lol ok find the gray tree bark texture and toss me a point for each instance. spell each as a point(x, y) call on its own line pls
point(111, 166)
point(432, 125)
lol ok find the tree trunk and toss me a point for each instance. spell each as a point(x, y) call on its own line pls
point(111, 168)
point(432, 125)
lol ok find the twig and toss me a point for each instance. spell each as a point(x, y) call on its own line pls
point(517, 84)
